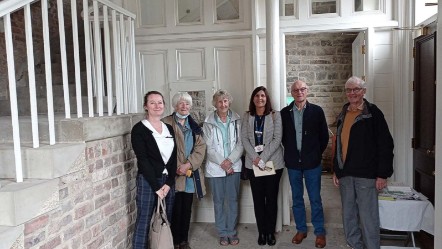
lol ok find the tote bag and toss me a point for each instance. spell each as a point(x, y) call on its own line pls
point(160, 235)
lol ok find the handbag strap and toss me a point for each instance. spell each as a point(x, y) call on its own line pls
point(161, 205)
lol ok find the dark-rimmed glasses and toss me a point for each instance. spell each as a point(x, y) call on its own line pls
point(353, 90)
point(300, 90)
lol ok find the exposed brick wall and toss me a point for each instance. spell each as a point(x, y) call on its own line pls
point(97, 203)
point(198, 110)
point(20, 56)
point(324, 62)
point(324, 7)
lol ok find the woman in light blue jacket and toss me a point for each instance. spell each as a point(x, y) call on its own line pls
point(222, 132)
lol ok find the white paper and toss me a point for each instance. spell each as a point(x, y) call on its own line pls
point(269, 165)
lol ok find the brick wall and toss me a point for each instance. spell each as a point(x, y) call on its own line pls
point(198, 110)
point(97, 203)
point(324, 62)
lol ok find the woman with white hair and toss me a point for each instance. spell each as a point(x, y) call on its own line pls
point(191, 149)
point(222, 133)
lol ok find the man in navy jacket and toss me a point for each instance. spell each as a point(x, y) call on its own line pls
point(305, 137)
point(362, 164)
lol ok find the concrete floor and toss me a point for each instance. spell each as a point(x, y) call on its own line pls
point(204, 235)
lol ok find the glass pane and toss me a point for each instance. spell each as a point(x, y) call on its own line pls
point(227, 10)
point(287, 7)
point(152, 12)
point(366, 5)
point(189, 11)
point(323, 7)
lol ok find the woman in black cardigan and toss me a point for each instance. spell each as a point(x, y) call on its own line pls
point(154, 145)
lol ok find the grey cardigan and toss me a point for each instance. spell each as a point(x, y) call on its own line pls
point(273, 150)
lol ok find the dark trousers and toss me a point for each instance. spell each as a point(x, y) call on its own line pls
point(182, 210)
point(265, 196)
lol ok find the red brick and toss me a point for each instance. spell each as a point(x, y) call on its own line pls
point(73, 231)
point(53, 243)
point(101, 201)
point(83, 210)
point(96, 243)
point(36, 224)
point(87, 236)
point(103, 187)
point(117, 170)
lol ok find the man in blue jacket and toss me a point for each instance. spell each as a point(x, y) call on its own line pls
point(305, 137)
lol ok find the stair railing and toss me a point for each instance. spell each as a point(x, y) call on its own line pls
point(119, 62)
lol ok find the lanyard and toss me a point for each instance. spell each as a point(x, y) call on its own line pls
point(259, 129)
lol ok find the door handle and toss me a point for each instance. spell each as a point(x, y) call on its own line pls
point(430, 152)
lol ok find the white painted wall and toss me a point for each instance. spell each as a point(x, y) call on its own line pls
point(383, 75)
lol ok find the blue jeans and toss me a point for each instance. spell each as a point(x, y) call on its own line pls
point(225, 191)
point(313, 184)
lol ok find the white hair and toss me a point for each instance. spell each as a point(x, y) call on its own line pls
point(181, 96)
point(356, 80)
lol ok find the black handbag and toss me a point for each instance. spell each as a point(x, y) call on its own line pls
point(197, 182)
point(244, 171)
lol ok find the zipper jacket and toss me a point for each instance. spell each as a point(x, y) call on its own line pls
point(215, 144)
point(370, 145)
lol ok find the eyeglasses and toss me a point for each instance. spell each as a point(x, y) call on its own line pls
point(300, 90)
point(353, 90)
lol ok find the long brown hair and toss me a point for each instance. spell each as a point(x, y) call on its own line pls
point(268, 106)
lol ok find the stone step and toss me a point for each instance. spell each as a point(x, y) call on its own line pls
point(45, 162)
point(68, 130)
point(11, 236)
point(21, 202)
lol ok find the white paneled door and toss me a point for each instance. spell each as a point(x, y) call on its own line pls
point(201, 67)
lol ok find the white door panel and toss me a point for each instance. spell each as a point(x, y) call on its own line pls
point(152, 73)
point(199, 65)
point(358, 58)
point(229, 75)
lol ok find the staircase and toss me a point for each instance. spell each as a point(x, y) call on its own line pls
point(46, 167)
point(77, 170)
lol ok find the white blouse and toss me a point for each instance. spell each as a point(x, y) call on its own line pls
point(164, 141)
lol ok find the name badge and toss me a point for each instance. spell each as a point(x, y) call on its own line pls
point(259, 148)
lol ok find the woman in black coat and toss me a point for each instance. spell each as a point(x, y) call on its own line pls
point(154, 145)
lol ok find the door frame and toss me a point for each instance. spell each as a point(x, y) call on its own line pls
point(438, 157)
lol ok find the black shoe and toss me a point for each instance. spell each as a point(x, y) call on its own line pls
point(271, 240)
point(261, 239)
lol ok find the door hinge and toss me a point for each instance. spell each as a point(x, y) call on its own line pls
point(412, 86)
point(414, 52)
point(363, 49)
point(412, 143)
